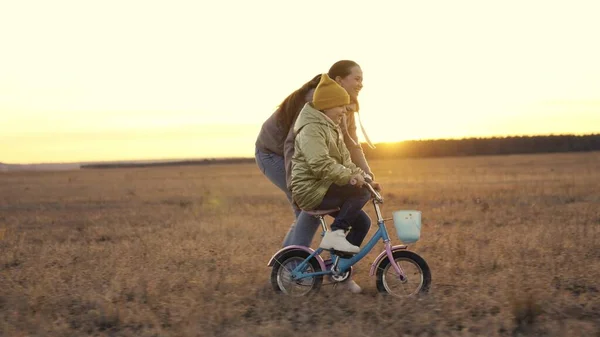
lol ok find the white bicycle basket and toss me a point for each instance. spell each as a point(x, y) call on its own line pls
point(408, 225)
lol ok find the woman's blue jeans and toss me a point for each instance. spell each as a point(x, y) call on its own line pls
point(304, 228)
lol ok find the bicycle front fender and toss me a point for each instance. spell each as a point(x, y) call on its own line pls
point(284, 250)
point(382, 256)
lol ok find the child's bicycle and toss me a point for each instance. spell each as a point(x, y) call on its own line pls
point(299, 270)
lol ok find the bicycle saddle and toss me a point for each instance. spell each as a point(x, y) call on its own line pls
point(321, 212)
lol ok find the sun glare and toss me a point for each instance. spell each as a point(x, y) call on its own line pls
point(194, 80)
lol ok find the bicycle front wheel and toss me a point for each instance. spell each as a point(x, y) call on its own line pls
point(416, 270)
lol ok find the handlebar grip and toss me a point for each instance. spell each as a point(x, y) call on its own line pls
point(370, 187)
point(374, 192)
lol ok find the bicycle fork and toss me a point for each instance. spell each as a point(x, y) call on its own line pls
point(390, 256)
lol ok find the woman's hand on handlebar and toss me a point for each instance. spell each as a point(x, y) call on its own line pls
point(373, 183)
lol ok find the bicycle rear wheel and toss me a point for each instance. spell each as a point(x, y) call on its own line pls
point(281, 274)
point(418, 275)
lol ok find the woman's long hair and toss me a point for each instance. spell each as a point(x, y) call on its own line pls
point(291, 105)
point(341, 68)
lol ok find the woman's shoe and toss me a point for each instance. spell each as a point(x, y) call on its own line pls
point(352, 286)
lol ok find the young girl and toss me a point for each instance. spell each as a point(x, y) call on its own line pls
point(322, 169)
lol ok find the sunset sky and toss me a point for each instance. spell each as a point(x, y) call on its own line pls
point(102, 80)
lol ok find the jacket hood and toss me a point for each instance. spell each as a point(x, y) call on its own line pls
point(309, 115)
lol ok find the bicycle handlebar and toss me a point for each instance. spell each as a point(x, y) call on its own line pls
point(367, 183)
point(375, 193)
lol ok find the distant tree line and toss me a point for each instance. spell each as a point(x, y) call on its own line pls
point(426, 148)
point(484, 146)
point(170, 163)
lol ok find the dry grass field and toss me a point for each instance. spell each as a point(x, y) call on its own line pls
point(513, 243)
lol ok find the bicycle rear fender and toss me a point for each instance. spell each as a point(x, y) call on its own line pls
point(295, 247)
point(382, 256)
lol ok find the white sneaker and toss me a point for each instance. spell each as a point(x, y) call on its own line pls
point(352, 286)
point(336, 240)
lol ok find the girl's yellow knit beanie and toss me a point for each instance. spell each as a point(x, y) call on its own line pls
point(329, 94)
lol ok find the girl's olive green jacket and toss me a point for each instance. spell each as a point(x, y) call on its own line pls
point(320, 158)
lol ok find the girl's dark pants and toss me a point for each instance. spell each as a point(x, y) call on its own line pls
point(350, 199)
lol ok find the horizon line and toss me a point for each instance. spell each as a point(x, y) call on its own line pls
point(182, 159)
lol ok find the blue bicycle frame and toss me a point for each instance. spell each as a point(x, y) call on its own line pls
point(343, 264)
